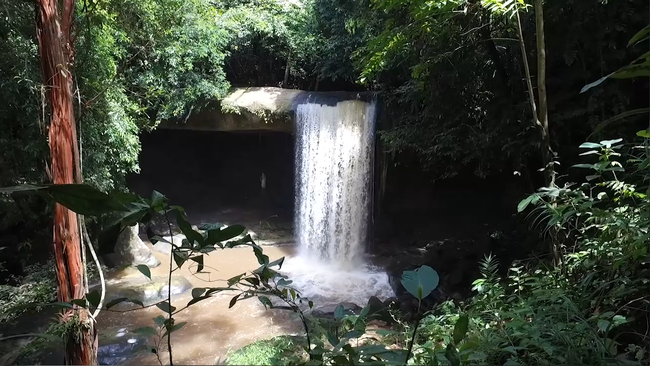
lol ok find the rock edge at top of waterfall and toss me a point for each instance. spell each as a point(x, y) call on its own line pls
point(257, 109)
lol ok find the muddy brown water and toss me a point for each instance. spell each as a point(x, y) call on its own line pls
point(213, 329)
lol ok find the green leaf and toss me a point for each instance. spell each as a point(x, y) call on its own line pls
point(266, 301)
point(93, 298)
point(524, 203)
point(191, 235)
point(116, 301)
point(79, 302)
point(144, 270)
point(641, 36)
point(224, 234)
point(108, 238)
point(197, 299)
point(22, 188)
point(179, 258)
point(166, 307)
point(590, 145)
point(137, 302)
point(421, 282)
point(159, 320)
point(460, 329)
point(339, 312)
point(452, 355)
point(644, 133)
point(197, 292)
point(585, 166)
point(83, 199)
point(177, 326)
point(278, 262)
point(146, 331)
point(609, 143)
point(158, 200)
point(234, 280)
point(199, 261)
point(233, 301)
point(618, 117)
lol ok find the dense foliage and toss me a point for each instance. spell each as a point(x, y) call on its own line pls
point(452, 76)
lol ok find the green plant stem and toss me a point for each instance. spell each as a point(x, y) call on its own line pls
point(410, 349)
point(169, 289)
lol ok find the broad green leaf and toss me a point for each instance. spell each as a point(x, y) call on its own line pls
point(452, 355)
point(144, 270)
point(22, 188)
point(460, 329)
point(421, 282)
point(198, 291)
point(225, 234)
point(116, 301)
point(609, 143)
point(197, 299)
point(134, 301)
point(199, 261)
point(339, 312)
point(93, 298)
point(590, 145)
point(179, 258)
point(177, 326)
point(158, 200)
point(159, 320)
point(146, 331)
point(644, 133)
point(166, 307)
point(641, 36)
point(191, 235)
point(524, 203)
point(83, 199)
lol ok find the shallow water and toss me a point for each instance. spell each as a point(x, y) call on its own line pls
point(213, 330)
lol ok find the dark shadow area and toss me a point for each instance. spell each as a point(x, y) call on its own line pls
point(216, 176)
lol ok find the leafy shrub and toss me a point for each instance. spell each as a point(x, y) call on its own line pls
point(282, 350)
point(37, 287)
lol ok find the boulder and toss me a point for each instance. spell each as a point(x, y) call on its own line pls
point(118, 345)
point(145, 290)
point(131, 250)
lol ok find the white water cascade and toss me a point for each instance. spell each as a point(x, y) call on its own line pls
point(334, 167)
point(334, 151)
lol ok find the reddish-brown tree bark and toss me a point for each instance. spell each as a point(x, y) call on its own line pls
point(55, 49)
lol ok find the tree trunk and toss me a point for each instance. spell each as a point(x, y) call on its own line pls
point(55, 49)
point(542, 113)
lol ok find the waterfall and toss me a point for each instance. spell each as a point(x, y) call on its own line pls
point(334, 156)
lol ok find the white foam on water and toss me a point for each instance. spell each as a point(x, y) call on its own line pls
point(326, 283)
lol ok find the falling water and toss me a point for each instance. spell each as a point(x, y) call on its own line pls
point(334, 152)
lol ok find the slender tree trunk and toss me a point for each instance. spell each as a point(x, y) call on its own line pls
point(529, 80)
point(286, 72)
point(55, 49)
point(542, 114)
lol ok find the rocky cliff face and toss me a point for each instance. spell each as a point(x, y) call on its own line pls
point(244, 109)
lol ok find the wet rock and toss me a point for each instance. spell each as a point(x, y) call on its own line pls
point(145, 290)
point(327, 311)
point(118, 345)
point(131, 250)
